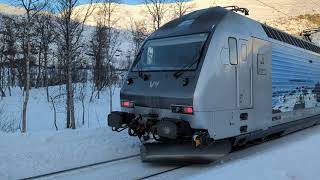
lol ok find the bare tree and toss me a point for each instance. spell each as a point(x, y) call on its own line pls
point(82, 99)
point(139, 34)
point(70, 30)
point(182, 7)
point(7, 49)
point(98, 51)
point(46, 35)
point(157, 9)
point(32, 8)
point(105, 44)
point(213, 3)
point(53, 100)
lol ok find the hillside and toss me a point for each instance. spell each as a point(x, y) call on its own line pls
point(295, 25)
point(292, 16)
point(260, 10)
point(8, 9)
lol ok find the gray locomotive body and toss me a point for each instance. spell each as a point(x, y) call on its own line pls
point(215, 75)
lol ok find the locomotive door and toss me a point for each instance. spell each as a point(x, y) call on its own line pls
point(245, 75)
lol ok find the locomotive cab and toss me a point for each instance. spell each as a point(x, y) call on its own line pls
point(162, 81)
point(158, 99)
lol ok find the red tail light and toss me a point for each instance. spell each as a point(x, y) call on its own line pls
point(127, 104)
point(188, 110)
point(182, 109)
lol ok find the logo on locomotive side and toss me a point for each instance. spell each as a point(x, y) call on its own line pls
point(154, 84)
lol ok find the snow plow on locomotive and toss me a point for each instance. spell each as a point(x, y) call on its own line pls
point(215, 79)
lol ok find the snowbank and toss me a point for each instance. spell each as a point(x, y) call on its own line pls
point(33, 154)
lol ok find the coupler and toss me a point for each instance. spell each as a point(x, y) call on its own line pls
point(119, 121)
point(163, 129)
point(175, 140)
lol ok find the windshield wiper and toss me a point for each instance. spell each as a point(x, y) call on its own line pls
point(180, 72)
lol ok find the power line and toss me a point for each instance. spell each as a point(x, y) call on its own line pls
point(273, 8)
point(317, 4)
point(304, 32)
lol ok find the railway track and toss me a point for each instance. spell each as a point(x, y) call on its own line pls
point(81, 167)
point(64, 174)
point(131, 166)
point(163, 172)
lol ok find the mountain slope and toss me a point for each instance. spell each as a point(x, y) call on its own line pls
point(282, 14)
point(8, 9)
point(261, 10)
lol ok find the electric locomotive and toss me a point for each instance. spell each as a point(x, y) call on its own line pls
point(214, 79)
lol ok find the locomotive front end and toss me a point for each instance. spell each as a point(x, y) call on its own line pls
point(157, 99)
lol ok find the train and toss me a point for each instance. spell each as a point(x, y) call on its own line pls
point(215, 79)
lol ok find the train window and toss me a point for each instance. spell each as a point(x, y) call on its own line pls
point(243, 52)
point(171, 54)
point(150, 56)
point(233, 51)
point(262, 68)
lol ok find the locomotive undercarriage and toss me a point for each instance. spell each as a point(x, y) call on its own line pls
point(168, 139)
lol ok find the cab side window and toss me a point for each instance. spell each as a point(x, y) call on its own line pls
point(233, 51)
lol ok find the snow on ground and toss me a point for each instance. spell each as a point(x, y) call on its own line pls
point(125, 169)
point(43, 149)
point(293, 157)
point(34, 154)
point(40, 114)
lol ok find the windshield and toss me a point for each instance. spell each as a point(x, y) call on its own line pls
point(170, 53)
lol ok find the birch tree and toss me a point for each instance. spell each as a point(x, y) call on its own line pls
point(214, 3)
point(157, 9)
point(46, 35)
point(10, 48)
point(181, 7)
point(98, 52)
point(107, 22)
point(8, 51)
point(31, 8)
point(139, 34)
point(71, 23)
